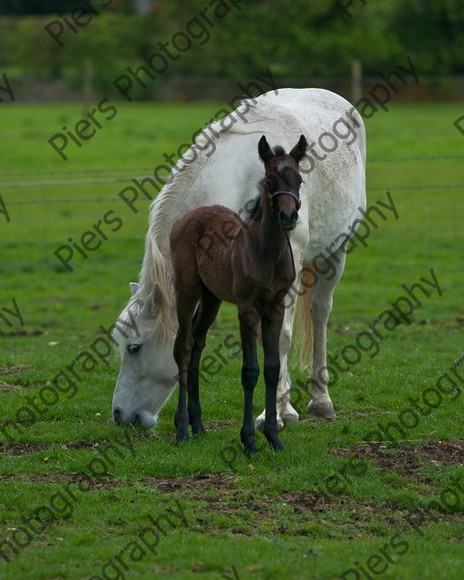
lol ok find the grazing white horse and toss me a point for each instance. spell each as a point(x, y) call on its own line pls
point(331, 195)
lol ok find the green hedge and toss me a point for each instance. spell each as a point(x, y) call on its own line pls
point(297, 38)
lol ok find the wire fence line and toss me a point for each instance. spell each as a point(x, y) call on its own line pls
point(117, 169)
point(438, 186)
point(122, 179)
point(70, 182)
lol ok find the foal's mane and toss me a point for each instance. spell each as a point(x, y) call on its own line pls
point(279, 151)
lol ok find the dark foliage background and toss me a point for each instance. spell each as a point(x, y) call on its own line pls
point(294, 39)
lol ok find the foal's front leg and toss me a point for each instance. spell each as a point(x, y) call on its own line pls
point(271, 326)
point(250, 371)
point(285, 412)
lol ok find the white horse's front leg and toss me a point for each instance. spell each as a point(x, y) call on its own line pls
point(285, 412)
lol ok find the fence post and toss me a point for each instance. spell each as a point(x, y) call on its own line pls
point(356, 80)
point(87, 84)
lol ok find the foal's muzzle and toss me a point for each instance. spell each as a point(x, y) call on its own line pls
point(288, 219)
point(288, 222)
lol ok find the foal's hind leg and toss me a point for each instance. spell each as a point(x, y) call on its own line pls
point(182, 350)
point(188, 292)
point(204, 317)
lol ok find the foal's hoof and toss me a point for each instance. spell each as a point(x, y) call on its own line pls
point(273, 439)
point(250, 450)
point(249, 445)
point(324, 410)
point(182, 435)
point(198, 430)
point(276, 445)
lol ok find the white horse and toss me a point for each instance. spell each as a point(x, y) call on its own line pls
point(331, 195)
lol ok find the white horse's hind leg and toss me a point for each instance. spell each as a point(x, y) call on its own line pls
point(285, 412)
point(321, 404)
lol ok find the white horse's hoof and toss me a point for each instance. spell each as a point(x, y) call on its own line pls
point(291, 416)
point(324, 410)
point(259, 423)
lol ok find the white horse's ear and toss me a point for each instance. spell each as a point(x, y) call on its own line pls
point(134, 288)
point(148, 308)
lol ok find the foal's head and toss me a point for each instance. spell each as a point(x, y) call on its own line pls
point(282, 181)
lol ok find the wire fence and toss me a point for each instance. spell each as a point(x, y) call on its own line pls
point(69, 178)
point(430, 223)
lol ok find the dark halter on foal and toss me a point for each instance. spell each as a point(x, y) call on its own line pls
point(290, 193)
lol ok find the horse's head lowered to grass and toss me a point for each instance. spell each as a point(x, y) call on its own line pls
point(148, 371)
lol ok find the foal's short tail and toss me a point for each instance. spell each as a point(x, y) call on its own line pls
point(303, 321)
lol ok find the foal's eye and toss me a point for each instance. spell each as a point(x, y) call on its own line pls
point(133, 348)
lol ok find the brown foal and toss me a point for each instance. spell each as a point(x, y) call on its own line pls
point(250, 265)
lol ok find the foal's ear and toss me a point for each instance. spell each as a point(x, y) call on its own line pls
point(299, 150)
point(264, 150)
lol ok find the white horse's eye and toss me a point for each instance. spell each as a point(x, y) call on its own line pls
point(133, 348)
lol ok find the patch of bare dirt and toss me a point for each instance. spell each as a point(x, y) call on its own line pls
point(9, 387)
point(5, 386)
point(407, 458)
point(220, 495)
point(23, 448)
point(12, 369)
point(197, 483)
point(61, 478)
point(21, 332)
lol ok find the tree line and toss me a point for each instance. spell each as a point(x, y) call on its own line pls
point(294, 39)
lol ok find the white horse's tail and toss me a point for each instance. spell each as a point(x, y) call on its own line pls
point(303, 320)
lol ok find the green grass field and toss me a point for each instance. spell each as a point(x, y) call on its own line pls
point(330, 506)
